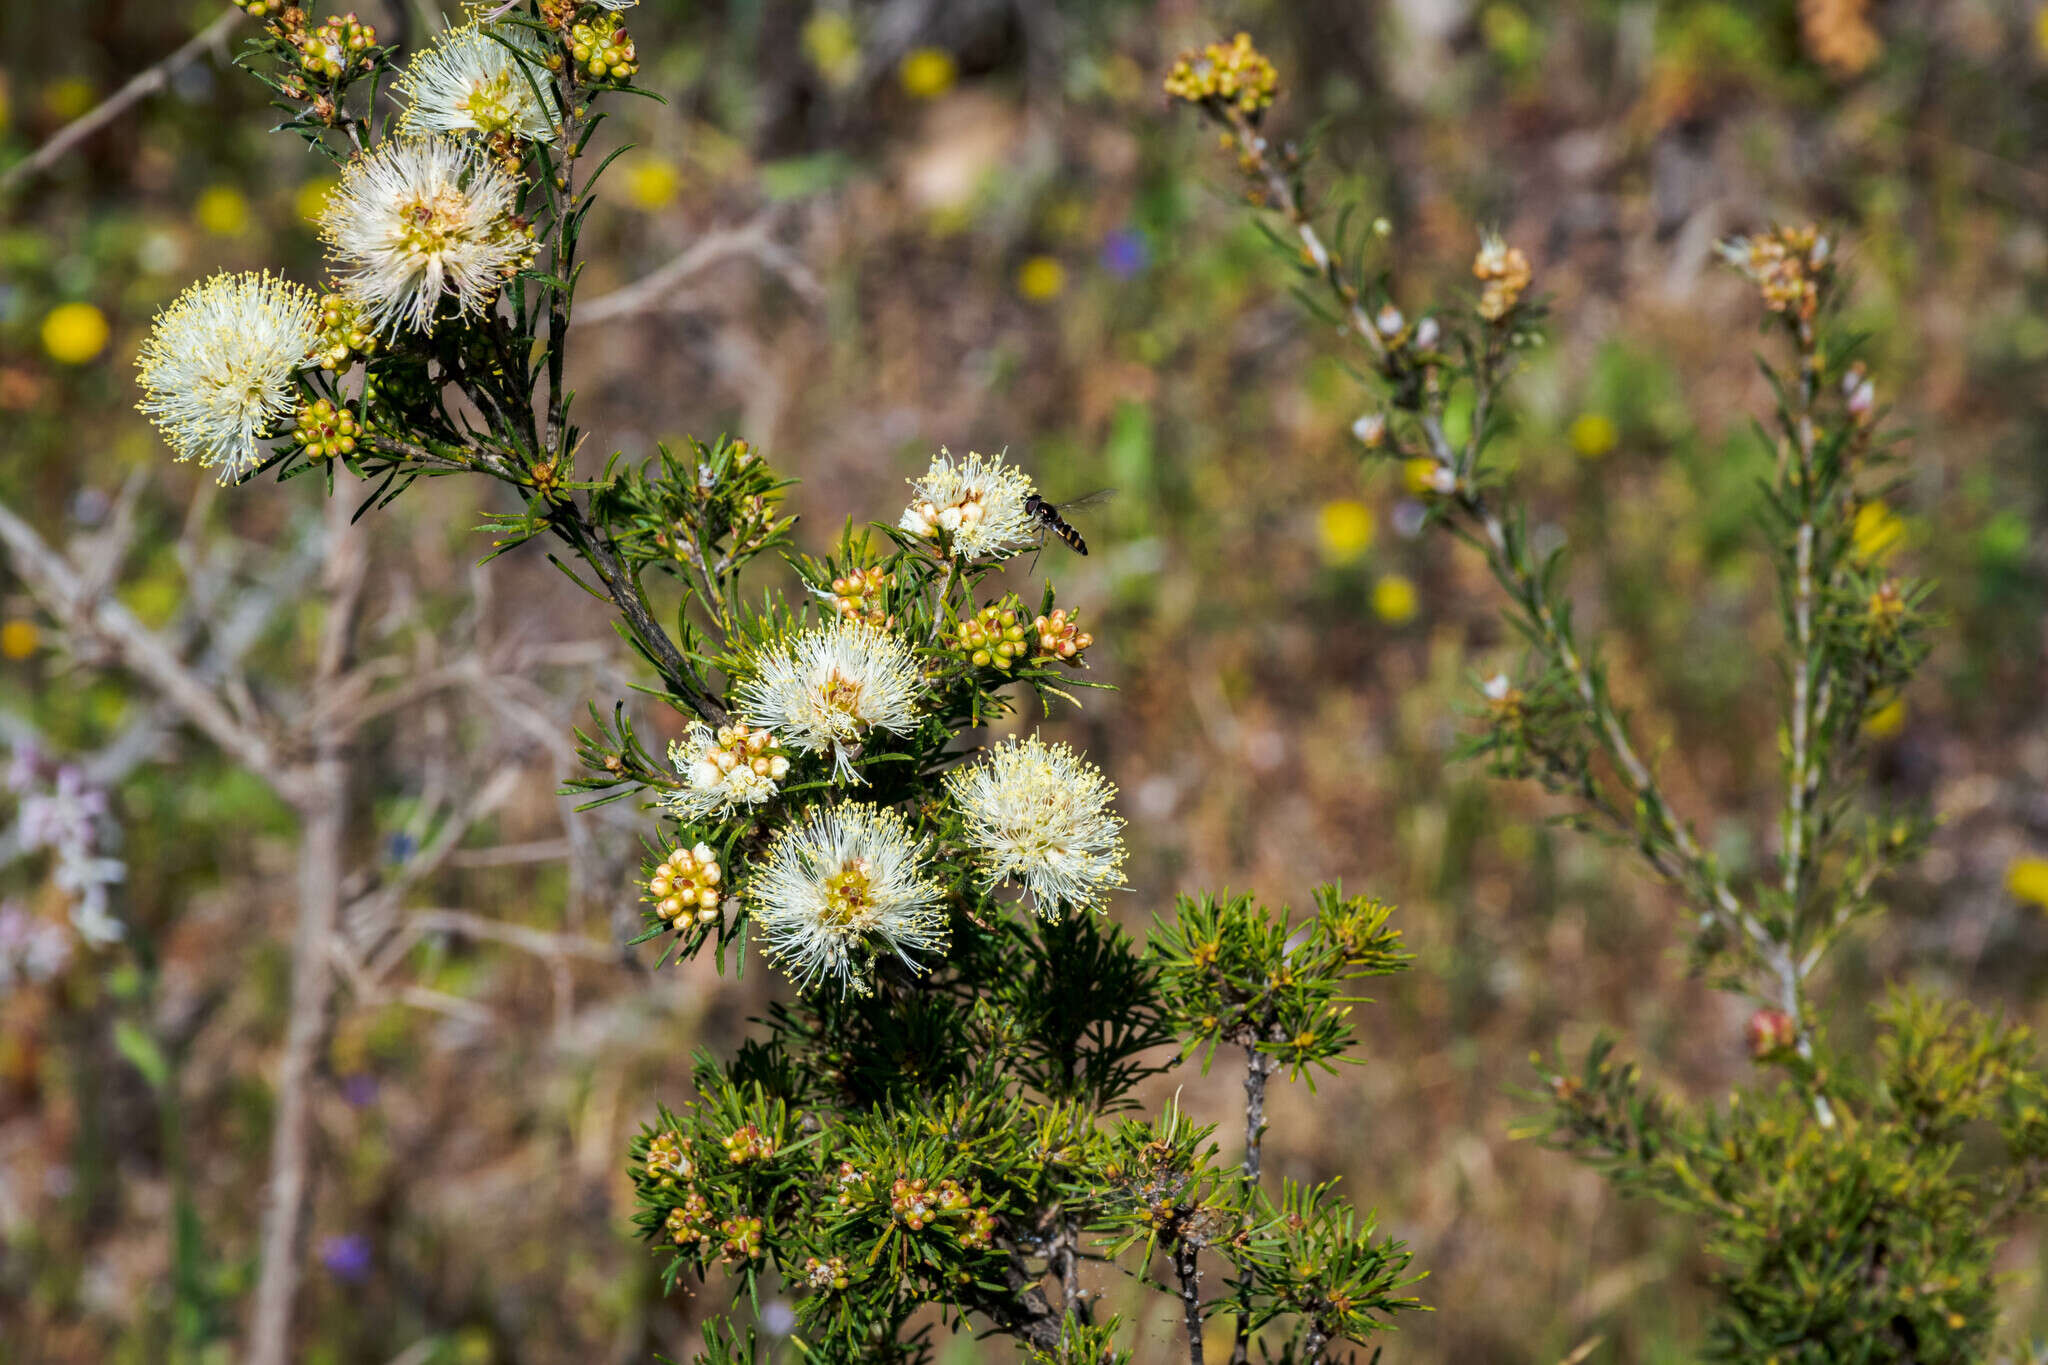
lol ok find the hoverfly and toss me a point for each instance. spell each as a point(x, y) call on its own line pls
point(1052, 521)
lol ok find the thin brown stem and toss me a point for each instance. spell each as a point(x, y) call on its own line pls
point(1279, 190)
point(1521, 582)
point(570, 519)
point(573, 524)
point(1799, 777)
point(1719, 900)
point(1281, 193)
point(1064, 1260)
point(322, 802)
point(1187, 1272)
point(563, 265)
point(1809, 702)
point(413, 450)
point(1258, 1066)
point(1023, 1312)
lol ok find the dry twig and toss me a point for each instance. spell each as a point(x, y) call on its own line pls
point(139, 87)
point(323, 819)
point(656, 289)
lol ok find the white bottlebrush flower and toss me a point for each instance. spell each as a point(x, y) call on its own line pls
point(420, 220)
point(840, 887)
point(978, 501)
point(1042, 814)
point(723, 770)
point(217, 369)
point(471, 79)
point(824, 690)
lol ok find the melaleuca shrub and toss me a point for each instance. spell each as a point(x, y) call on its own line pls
point(1850, 1202)
point(1868, 1240)
point(938, 1121)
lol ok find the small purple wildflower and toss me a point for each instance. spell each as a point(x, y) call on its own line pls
point(60, 812)
point(347, 1257)
point(1125, 254)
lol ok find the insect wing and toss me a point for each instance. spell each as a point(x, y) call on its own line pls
point(1052, 517)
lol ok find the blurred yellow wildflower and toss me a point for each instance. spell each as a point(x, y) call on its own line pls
point(1593, 434)
point(1885, 719)
point(1877, 533)
point(1509, 33)
point(1394, 599)
point(832, 45)
point(1041, 278)
point(1344, 530)
point(18, 639)
point(1517, 843)
point(1066, 215)
point(652, 182)
point(222, 210)
point(927, 73)
point(310, 199)
point(2041, 32)
point(473, 1347)
point(1122, 79)
point(1418, 475)
point(73, 333)
point(154, 600)
point(68, 98)
point(2027, 880)
point(1233, 74)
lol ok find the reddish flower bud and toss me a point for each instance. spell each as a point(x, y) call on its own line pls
point(1770, 1033)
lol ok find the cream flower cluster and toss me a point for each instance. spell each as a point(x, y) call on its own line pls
point(980, 502)
point(826, 689)
point(422, 220)
point(219, 367)
point(724, 770)
point(686, 886)
point(1042, 815)
point(477, 78)
point(841, 886)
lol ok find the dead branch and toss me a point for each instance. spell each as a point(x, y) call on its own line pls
point(655, 290)
point(139, 87)
point(323, 813)
point(144, 652)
